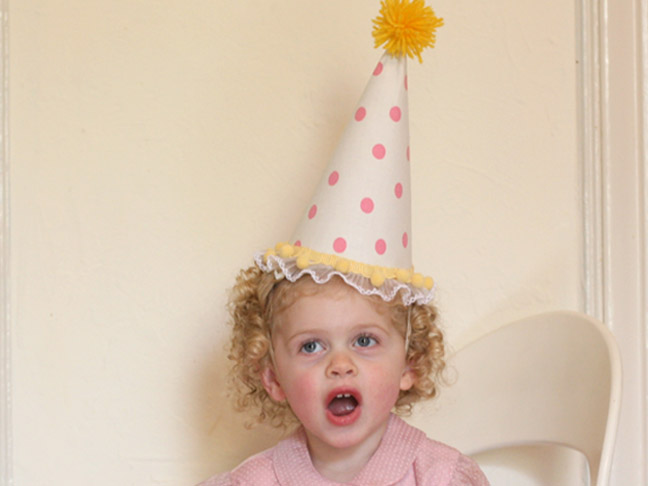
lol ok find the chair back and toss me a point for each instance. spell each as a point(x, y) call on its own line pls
point(551, 378)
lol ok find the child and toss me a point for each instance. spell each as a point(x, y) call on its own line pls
point(334, 331)
point(339, 361)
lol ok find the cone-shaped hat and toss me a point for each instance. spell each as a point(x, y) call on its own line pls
point(358, 224)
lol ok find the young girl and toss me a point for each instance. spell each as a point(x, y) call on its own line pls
point(334, 331)
point(338, 362)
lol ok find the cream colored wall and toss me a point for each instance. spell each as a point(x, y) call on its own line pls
point(155, 145)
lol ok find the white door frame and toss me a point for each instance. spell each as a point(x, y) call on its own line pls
point(614, 111)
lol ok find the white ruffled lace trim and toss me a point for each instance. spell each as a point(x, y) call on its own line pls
point(287, 267)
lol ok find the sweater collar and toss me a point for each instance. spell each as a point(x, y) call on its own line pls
point(388, 465)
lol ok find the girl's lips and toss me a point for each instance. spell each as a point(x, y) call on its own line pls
point(344, 391)
point(347, 418)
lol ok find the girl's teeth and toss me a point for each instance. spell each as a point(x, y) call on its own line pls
point(345, 395)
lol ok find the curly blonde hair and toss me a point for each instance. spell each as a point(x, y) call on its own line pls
point(258, 296)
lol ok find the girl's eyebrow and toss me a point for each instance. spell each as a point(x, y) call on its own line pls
point(320, 332)
point(371, 326)
point(314, 332)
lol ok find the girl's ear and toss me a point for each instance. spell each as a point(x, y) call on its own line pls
point(408, 378)
point(271, 384)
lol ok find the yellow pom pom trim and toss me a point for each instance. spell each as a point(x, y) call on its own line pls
point(305, 257)
point(286, 251)
point(403, 275)
point(268, 253)
point(377, 278)
point(417, 280)
point(342, 265)
point(405, 27)
point(302, 262)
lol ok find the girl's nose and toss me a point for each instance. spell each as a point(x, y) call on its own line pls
point(340, 366)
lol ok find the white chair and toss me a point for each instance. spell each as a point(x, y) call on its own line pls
point(553, 378)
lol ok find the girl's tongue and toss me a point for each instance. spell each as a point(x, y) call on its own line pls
point(342, 405)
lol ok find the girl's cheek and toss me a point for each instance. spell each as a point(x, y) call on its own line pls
point(303, 398)
point(303, 385)
point(385, 387)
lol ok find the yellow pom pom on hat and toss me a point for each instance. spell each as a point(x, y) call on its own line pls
point(406, 28)
point(358, 223)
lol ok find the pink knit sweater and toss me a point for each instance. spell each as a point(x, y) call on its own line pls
point(405, 457)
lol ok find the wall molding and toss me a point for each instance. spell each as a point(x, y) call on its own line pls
point(613, 113)
point(589, 76)
point(6, 478)
point(641, 10)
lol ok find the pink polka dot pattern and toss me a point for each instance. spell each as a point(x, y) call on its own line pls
point(381, 246)
point(339, 245)
point(367, 205)
point(361, 210)
point(379, 151)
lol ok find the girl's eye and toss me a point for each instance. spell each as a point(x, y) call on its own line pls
point(366, 341)
point(311, 347)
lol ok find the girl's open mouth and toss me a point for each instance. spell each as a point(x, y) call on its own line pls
point(343, 404)
point(343, 407)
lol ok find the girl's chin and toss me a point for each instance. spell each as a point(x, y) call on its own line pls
point(349, 436)
point(336, 442)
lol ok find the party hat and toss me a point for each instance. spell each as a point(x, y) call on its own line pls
point(358, 224)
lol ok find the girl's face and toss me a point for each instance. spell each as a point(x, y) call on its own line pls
point(340, 364)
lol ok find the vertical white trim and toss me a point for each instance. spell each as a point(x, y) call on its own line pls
point(614, 110)
point(626, 259)
point(604, 161)
point(642, 103)
point(591, 157)
point(6, 478)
